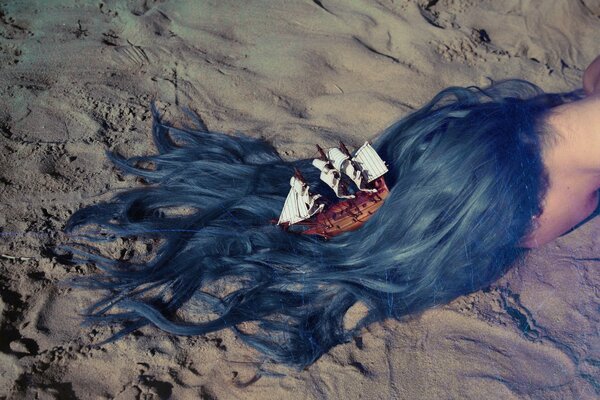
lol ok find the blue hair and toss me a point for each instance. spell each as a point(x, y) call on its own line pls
point(466, 177)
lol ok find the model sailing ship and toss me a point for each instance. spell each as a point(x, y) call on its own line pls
point(364, 169)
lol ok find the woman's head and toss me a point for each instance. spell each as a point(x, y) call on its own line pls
point(483, 146)
point(465, 175)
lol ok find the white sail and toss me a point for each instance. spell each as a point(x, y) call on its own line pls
point(337, 158)
point(371, 165)
point(354, 173)
point(331, 177)
point(299, 204)
point(344, 164)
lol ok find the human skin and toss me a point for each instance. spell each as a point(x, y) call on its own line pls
point(573, 164)
point(591, 77)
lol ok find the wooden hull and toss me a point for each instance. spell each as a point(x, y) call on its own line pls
point(347, 215)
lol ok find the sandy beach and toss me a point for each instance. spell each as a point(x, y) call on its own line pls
point(77, 79)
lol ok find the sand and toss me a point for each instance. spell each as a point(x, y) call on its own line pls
point(76, 79)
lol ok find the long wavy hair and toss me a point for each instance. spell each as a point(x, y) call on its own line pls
point(465, 175)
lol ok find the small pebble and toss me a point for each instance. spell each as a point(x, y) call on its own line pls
point(18, 346)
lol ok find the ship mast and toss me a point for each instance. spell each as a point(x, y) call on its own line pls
point(343, 161)
point(369, 162)
point(330, 175)
point(300, 204)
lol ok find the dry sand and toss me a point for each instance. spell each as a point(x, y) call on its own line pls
point(77, 78)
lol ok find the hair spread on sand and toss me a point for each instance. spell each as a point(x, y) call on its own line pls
point(466, 177)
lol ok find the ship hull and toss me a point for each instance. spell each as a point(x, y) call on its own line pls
point(347, 215)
